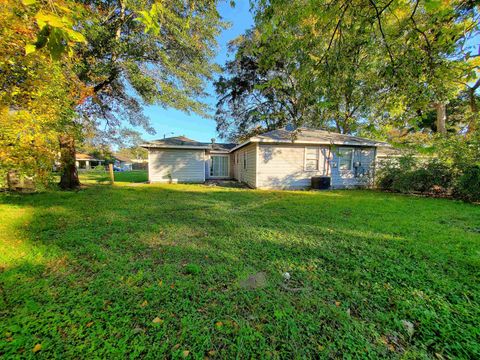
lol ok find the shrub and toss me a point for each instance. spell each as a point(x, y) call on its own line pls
point(467, 186)
point(408, 174)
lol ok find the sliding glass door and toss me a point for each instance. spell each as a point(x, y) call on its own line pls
point(219, 166)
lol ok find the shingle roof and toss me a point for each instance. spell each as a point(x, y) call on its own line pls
point(80, 156)
point(304, 135)
point(301, 135)
point(122, 158)
point(184, 142)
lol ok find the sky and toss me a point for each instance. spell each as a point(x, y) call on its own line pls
point(170, 122)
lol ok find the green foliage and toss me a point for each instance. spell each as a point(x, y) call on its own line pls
point(56, 22)
point(408, 174)
point(145, 53)
point(467, 186)
point(117, 62)
point(192, 269)
point(85, 273)
point(372, 66)
point(37, 97)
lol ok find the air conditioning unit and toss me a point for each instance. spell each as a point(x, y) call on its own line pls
point(320, 182)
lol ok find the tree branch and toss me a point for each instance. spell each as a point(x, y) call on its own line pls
point(382, 32)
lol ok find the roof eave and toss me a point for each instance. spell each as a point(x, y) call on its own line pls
point(159, 146)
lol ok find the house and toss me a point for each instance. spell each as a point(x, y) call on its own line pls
point(278, 159)
point(86, 162)
point(123, 162)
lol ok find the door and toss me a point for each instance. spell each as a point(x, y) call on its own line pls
point(219, 166)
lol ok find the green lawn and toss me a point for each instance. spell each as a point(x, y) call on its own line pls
point(100, 176)
point(155, 271)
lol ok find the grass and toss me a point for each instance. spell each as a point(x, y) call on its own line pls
point(154, 271)
point(102, 177)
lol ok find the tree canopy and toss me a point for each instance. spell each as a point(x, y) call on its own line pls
point(100, 62)
point(353, 66)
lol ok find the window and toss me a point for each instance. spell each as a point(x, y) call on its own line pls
point(311, 158)
point(345, 158)
point(245, 160)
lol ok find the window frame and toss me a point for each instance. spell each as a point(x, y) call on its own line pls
point(340, 157)
point(306, 158)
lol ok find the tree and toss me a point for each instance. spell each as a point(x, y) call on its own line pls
point(370, 64)
point(135, 53)
point(37, 94)
point(143, 53)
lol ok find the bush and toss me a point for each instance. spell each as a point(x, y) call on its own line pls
point(408, 174)
point(467, 186)
point(413, 175)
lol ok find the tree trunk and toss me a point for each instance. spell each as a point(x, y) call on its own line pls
point(441, 118)
point(69, 178)
point(474, 109)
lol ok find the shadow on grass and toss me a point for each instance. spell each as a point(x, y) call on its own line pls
point(109, 260)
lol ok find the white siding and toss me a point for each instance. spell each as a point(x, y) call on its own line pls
point(247, 174)
point(176, 165)
point(283, 166)
point(346, 178)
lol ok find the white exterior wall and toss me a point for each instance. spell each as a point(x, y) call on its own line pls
point(346, 178)
point(283, 166)
point(247, 175)
point(176, 165)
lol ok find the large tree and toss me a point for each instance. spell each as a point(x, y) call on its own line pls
point(366, 63)
point(37, 93)
point(134, 53)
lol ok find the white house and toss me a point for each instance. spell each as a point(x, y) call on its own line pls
point(279, 159)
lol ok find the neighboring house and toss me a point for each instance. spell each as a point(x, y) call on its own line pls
point(123, 162)
point(278, 159)
point(86, 162)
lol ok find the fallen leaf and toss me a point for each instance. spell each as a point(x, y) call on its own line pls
point(337, 303)
point(212, 353)
point(160, 283)
point(138, 330)
point(157, 320)
point(409, 327)
point(176, 346)
point(219, 324)
point(143, 304)
point(37, 348)
point(89, 324)
point(185, 353)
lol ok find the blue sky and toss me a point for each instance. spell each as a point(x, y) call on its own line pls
point(168, 121)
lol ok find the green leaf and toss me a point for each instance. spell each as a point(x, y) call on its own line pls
point(29, 48)
point(50, 19)
point(76, 36)
point(29, 2)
